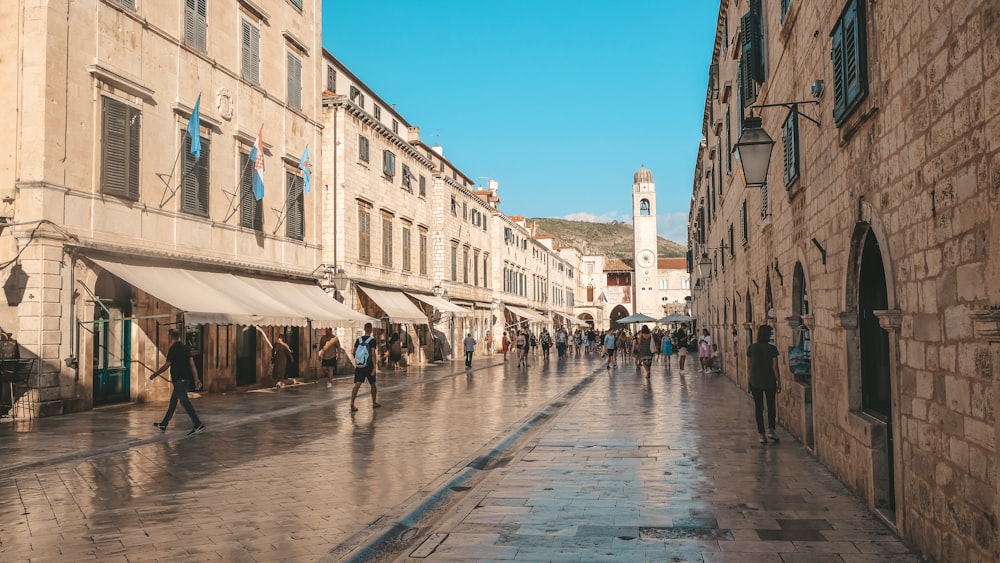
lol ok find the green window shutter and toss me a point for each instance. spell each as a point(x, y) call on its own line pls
point(362, 148)
point(295, 218)
point(790, 142)
point(195, 174)
point(849, 54)
point(756, 39)
point(294, 81)
point(747, 88)
point(388, 163)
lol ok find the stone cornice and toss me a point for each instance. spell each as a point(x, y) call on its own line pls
point(354, 110)
point(110, 77)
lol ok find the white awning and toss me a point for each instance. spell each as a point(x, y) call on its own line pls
point(572, 320)
point(221, 298)
point(526, 314)
point(311, 301)
point(396, 306)
point(441, 304)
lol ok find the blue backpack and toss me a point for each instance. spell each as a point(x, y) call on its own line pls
point(362, 354)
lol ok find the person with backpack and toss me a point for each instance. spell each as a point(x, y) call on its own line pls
point(546, 342)
point(469, 345)
point(364, 366)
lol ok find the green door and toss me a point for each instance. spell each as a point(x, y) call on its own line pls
point(112, 336)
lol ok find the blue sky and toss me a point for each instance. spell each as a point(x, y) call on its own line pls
point(558, 101)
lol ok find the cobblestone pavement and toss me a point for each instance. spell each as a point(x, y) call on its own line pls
point(664, 469)
point(618, 470)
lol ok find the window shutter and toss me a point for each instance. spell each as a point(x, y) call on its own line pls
point(190, 7)
point(201, 26)
point(756, 32)
point(294, 222)
point(251, 52)
point(765, 208)
point(251, 210)
point(294, 81)
point(837, 54)
point(362, 148)
point(114, 148)
point(194, 190)
point(790, 141)
point(747, 88)
point(388, 163)
point(423, 186)
point(854, 52)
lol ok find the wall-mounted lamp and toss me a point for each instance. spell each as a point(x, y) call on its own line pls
point(340, 280)
point(705, 265)
point(753, 149)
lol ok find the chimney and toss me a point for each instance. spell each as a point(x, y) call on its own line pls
point(413, 135)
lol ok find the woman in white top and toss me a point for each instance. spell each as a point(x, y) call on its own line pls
point(705, 350)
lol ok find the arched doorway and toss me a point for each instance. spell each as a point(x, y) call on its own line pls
point(112, 340)
point(800, 356)
point(619, 312)
point(873, 343)
point(587, 318)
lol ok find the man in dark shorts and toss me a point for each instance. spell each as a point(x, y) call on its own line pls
point(366, 369)
point(184, 375)
point(329, 347)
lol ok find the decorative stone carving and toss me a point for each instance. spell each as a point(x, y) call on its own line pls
point(224, 103)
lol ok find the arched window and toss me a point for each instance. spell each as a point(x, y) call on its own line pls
point(644, 207)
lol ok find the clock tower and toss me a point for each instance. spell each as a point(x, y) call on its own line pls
point(644, 239)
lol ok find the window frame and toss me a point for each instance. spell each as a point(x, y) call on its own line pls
point(294, 80)
point(422, 242)
point(251, 208)
point(387, 226)
point(388, 164)
point(406, 237)
point(848, 93)
point(364, 232)
point(790, 147)
point(364, 150)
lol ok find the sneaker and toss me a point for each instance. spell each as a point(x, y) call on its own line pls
point(329, 385)
point(197, 429)
point(763, 439)
point(376, 405)
point(771, 436)
point(161, 426)
point(354, 408)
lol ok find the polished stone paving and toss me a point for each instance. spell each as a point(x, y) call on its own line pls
point(620, 468)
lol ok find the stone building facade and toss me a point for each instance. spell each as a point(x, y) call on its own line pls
point(98, 175)
point(871, 248)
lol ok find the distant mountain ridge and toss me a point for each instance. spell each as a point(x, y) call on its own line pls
point(613, 239)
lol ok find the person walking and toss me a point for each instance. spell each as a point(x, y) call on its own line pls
point(489, 342)
point(470, 347)
point(644, 349)
point(394, 352)
point(609, 348)
point(667, 349)
point(505, 345)
point(764, 381)
point(329, 350)
point(705, 350)
point(184, 376)
point(682, 344)
point(281, 357)
point(522, 348)
point(364, 366)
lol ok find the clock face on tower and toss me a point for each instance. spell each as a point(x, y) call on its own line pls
point(646, 258)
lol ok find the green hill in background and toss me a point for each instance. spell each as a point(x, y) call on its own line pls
point(607, 239)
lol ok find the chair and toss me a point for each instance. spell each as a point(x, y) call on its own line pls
point(14, 373)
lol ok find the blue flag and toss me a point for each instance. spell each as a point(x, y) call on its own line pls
point(306, 167)
point(194, 129)
point(257, 157)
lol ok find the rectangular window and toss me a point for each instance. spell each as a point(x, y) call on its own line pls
point(850, 69)
point(407, 179)
point(752, 33)
point(395, 126)
point(486, 270)
point(251, 209)
point(294, 81)
point(475, 268)
point(406, 248)
point(130, 4)
point(454, 206)
point(784, 9)
point(331, 78)
point(378, 112)
point(364, 232)
point(196, 25)
point(388, 164)
point(765, 204)
point(423, 252)
point(357, 97)
point(732, 247)
point(387, 240)
point(465, 265)
point(744, 227)
point(251, 53)
point(362, 148)
point(294, 201)
point(454, 263)
point(790, 142)
point(121, 132)
point(298, 3)
point(195, 175)
point(422, 186)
